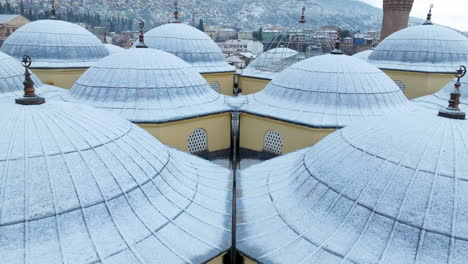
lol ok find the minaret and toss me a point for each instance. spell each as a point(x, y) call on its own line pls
point(395, 16)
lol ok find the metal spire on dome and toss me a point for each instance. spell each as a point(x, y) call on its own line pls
point(105, 38)
point(337, 50)
point(453, 110)
point(176, 12)
point(53, 12)
point(302, 20)
point(29, 97)
point(141, 38)
point(429, 16)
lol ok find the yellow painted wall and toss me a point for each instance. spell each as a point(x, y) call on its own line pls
point(252, 85)
point(64, 78)
point(253, 129)
point(176, 134)
point(247, 260)
point(225, 80)
point(218, 260)
point(420, 84)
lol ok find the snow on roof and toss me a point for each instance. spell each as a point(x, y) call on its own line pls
point(146, 86)
point(388, 191)
point(329, 91)
point(440, 99)
point(363, 55)
point(80, 185)
point(424, 48)
point(258, 67)
point(189, 44)
point(113, 48)
point(55, 44)
point(6, 18)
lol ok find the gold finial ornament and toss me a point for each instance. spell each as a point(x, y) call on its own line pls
point(141, 38)
point(429, 16)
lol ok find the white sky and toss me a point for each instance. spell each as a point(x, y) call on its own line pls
point(452, 13)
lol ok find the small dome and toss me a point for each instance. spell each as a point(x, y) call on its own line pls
point(329, 91)
point(80, 185)
point(113, 48)
point(387, 191)
point(259, 67)
point(363, 55)
point(424, 48)
point(146, 85)
point(441, 99)
point(12, 77)
point(55, 44)
point(189, 44)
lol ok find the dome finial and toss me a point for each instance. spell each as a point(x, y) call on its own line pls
point(453, 111)
point(302, 20)
point(337, 50)
point(141, 39)
point(29, 97)
point(176, 12)
point(53, 12)
point(429, 16)
point(105, 38)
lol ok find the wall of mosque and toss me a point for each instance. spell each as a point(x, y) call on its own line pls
point(217, 128)
point(64, 78)
point(252, 85)
point(419, 84)
point(264, 134)
point(218, 260)
point(225, 81)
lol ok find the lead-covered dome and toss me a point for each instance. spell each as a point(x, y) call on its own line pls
point(388, 191)
point(329, 91)
point(440, 99)
point(80, 185)
point(424, 48)
point(189, 44)
point(55, 44)
point(111, 48)
point(260, 67)
point(147, 85)
point(363, 55)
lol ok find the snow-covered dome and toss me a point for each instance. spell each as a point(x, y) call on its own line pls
point(329, 91)
point(424, 48)
point(113, 48)
point(259, 68)
point(55, 44)
point(12, 77)
point(363, 55)
point(388, 191)
point(189, 44)
point(146, 85)
point(80, 185)
point(440, 99)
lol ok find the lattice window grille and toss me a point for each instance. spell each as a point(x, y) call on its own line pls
point(198, 141)
point(273, 142)
point(402, 85)
point(215, 86)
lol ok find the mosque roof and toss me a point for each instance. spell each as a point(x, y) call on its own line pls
point(147, 86)
point(440, 99)
point(113, 48)
point(393, 190)
point(55, 44)
point(329, 91)
point(363, 55)
point(189, 44)
point(424, 48)
point(259, 68)
point(80, 185)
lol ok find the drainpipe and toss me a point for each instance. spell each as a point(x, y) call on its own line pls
point(235, 130)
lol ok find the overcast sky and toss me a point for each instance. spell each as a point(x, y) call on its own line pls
point(453, 13)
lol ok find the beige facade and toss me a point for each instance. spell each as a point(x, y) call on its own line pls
point(217, 260)
point(10, 23)
point(176, 134)
point(253, 130)
point(251, 85)
point(225, 80)
point(64, 78)
point(419, 84)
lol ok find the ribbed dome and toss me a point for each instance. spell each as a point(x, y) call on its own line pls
point(113, 48)
point(440, 99)
point(259, 67)
point(329, 91)
point(363, 55)
point(80, 185)
point(146, 85)
point(424, 48)
point(387, 191)
point(12, 77)
point(55, 44)
point(189, 44)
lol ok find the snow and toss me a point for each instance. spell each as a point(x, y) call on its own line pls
point(440, 99)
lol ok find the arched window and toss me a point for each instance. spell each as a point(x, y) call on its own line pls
point(198, 141)
point(215, 86)
point(402, 85)
point(273, 142)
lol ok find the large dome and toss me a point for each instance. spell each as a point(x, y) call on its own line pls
point(388, 191)
point(12, 77)
point(80, 185)
point(329, 91)
point(147, 85)
point(424, 48)
point(55, 44)
point(189, 44)
point(440, 99)
point(363, 55)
